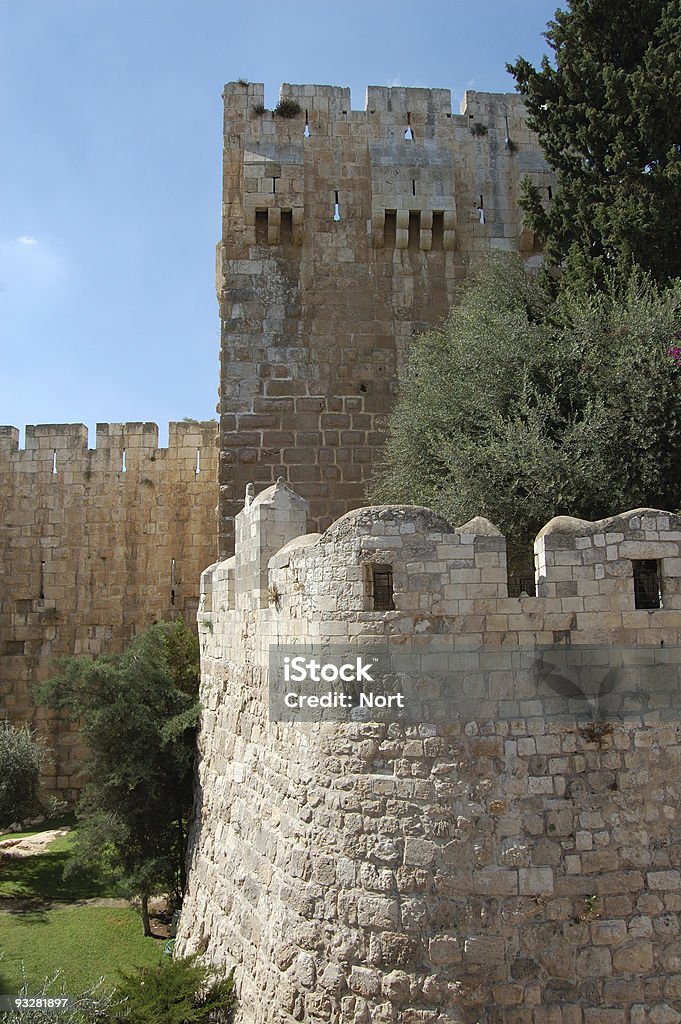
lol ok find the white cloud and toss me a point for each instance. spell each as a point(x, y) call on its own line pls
point(29, 270)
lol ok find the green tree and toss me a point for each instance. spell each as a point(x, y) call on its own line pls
point(138, 713)
point(523, 407)
point(606, 110)
point(22, 758)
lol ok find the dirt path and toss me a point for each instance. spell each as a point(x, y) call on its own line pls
point(28, 846)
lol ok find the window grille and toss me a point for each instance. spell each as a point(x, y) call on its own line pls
point(647, 591)
point(525, 585)
point(382, 581)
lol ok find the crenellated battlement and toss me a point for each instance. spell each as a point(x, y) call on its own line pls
point(510, 840)
point(120, 448)
point(97, 543)
point(345, 234)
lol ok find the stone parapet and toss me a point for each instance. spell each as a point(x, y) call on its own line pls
point(514, 865)
point(96, 544)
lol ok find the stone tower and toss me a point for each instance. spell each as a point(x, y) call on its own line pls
point(345, 233)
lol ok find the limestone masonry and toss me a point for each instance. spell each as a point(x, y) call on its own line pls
point(95, 545)
point(518, 866)
point(344, 234)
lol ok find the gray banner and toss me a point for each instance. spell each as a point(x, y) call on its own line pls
point(385, 683)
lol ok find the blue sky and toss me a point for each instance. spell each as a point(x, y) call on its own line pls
point(110, 127)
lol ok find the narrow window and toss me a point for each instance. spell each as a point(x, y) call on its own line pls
point(172, 581)
point(414, 230)
point(42, 581)
point(336, 208)
point(382, 586)
point(550, 192)
point(481, 210)
point(286, 227)
point(197, 468)
point(390, 230)
point(438, 231)
point(123, 466)
point(261, 227)
point(306, 133)
point(647, 590)
point(521, 585)
point(54, 461)
point(409, 135)
point(274, 186)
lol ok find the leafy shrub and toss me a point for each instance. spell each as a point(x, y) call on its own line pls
point(259, 109)
point(181, 991)
point(22, 758)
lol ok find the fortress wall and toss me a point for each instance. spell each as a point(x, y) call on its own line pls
point(506, 865)
point(95, 545)
point(341, 241)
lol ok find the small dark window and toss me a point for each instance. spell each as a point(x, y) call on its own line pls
point(438, 232)
point(390, 229)
point(286, 229)
point(382, 581)
point(647, 591)
point(261, 227)
point(521, 586)
point(414, 230)
point(14, 647)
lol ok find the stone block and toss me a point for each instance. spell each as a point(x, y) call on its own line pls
point(376, 912)
point(535, 881)
point(484, 950)
point(635, 957)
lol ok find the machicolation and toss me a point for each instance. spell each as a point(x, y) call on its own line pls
point(345, 233)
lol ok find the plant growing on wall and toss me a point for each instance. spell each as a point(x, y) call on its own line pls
point(287, 108)
point(138, 713)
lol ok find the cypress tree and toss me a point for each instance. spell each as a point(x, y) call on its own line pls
point(607, 110)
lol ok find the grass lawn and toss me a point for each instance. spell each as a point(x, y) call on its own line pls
point(83, 943)
point(41, 877)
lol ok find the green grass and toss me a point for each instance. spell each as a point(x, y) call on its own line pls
point(83, 943)
point(41, 877)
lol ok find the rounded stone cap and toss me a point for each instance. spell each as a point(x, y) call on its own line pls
point(613, 524)
point(360, 520)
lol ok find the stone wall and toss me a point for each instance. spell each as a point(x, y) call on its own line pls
point(518, 866)
point(341, 240)
point(95, 545)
